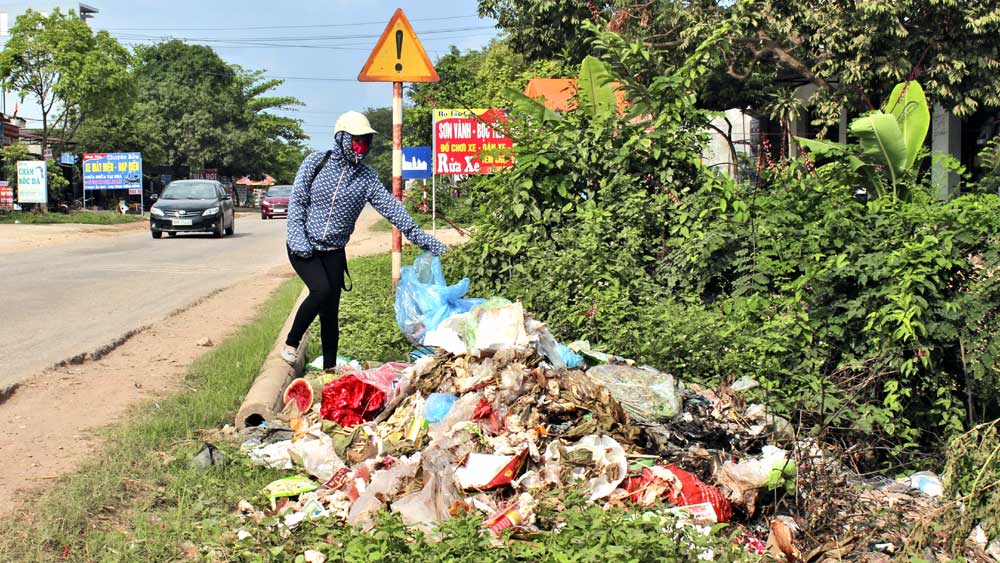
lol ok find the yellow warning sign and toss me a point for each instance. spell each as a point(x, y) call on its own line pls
point(398, 56)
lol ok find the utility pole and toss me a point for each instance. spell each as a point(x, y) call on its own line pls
point(398, 57)
point(397, 170)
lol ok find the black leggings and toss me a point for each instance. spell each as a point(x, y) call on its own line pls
point(324, 275)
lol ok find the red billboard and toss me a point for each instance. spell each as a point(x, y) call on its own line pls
point(466, 141)
point(6, 195)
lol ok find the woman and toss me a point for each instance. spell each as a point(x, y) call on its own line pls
point(331, 188)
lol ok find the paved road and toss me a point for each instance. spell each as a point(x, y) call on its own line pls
point(58, 302)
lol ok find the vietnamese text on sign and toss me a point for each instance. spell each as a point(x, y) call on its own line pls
point(470, 141)
point(32, 181)
point(112, 171)
point(6, 195)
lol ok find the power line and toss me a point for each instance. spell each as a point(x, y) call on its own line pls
point(299, 38)
point(269, 45)
point(280, 26)
point(257, 45)
point(260, 42)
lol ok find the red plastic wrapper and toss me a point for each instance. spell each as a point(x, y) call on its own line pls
point(679, 487)
point(485, 411)
point(385, 378)
point(349, 401)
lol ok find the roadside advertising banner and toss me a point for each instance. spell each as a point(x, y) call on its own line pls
point(32, 181)
point(112, 171)
point(460, 136)
point(6, 195)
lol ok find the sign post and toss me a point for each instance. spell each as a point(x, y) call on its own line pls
point(398, 57)
point(417, 163)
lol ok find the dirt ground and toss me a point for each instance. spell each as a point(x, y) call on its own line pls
point(37, 448)
point(18, 238)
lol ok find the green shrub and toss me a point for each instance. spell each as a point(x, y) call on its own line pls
point(860, 301)
point(871, 302)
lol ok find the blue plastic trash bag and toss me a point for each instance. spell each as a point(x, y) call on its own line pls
point(424, 300)
point(437, 406)
point(569, 357)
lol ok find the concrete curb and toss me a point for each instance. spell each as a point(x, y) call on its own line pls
point(263, 400)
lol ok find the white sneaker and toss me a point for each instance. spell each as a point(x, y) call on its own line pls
point(289, 354)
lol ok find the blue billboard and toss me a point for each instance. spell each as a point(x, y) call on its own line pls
point(112, 171)
point(417, 163)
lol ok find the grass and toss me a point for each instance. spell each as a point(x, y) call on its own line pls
point(79, 217)
point(137, 498)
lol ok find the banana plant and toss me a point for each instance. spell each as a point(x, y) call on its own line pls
point(594, 93)
point(889, 139)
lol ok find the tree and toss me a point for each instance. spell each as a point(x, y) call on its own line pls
point(456, 89)
point(854, 52)
point(546, 30)
point(851, 51)
point(71, 72)
point(194, 110)
point(258, 139)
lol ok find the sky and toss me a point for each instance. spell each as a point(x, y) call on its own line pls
point(297, 39)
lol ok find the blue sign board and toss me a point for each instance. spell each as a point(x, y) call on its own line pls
point(112, 171)
point(417, 163)
point(66, 158)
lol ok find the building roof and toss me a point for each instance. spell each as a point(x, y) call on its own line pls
point(557, 93)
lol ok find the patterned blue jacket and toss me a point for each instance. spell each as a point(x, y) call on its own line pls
point(323, 218)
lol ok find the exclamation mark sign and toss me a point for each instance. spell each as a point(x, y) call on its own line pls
point(399, 49)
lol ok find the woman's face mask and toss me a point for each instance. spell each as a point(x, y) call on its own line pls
point(361, 145)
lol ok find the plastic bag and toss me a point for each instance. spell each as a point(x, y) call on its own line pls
point(290, 487)
point(274, 455)
point(433, 501)
point(315, 452)
point(385, 485)
point(386, 378)
point(461, 412)
point(559, 355)
point(437, 406)
point(925, 482)
point(569, 357)
point(495, 323)
point(772, 469)
point(350, 401)
point(646, 394)
point(448, 335)
point(681, 488)
point(424, 299)
point(601, 458)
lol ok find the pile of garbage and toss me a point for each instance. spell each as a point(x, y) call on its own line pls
point(494, 414)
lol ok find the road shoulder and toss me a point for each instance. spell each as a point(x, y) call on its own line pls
point(26, 237)
point(51, 419)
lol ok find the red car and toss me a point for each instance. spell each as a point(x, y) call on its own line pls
point(275, 202)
